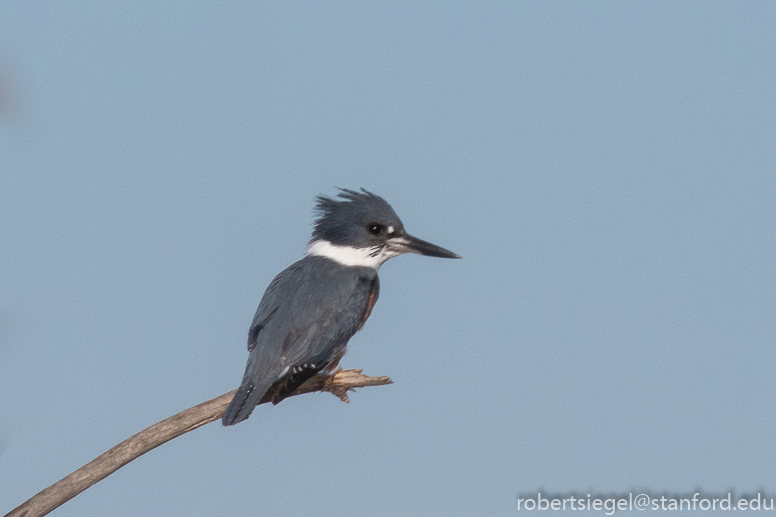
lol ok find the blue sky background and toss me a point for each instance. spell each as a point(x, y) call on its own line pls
point(607, 171)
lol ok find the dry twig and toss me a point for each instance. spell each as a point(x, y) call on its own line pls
point(109, 462)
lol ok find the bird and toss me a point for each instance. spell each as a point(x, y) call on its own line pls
point(311, 309)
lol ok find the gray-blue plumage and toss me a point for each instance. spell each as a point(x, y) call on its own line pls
point(345, 222)
point(305, 319)
point(310, 311)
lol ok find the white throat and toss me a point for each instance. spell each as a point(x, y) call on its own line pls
point(349, 255)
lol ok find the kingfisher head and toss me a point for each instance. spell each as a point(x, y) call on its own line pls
point(361, 229)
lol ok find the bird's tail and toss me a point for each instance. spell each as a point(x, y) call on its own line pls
point(242, 405)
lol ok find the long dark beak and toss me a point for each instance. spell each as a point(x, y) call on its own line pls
point(409, 244)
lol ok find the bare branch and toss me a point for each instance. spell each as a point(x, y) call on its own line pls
point(104, 465)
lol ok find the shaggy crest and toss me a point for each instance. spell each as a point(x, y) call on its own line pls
point(335, 216)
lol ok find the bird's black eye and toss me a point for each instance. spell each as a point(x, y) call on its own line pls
point(375, 228)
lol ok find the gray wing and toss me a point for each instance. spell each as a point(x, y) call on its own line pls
point(303, 323)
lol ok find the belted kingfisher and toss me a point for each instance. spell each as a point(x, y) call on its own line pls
point(311, 309)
